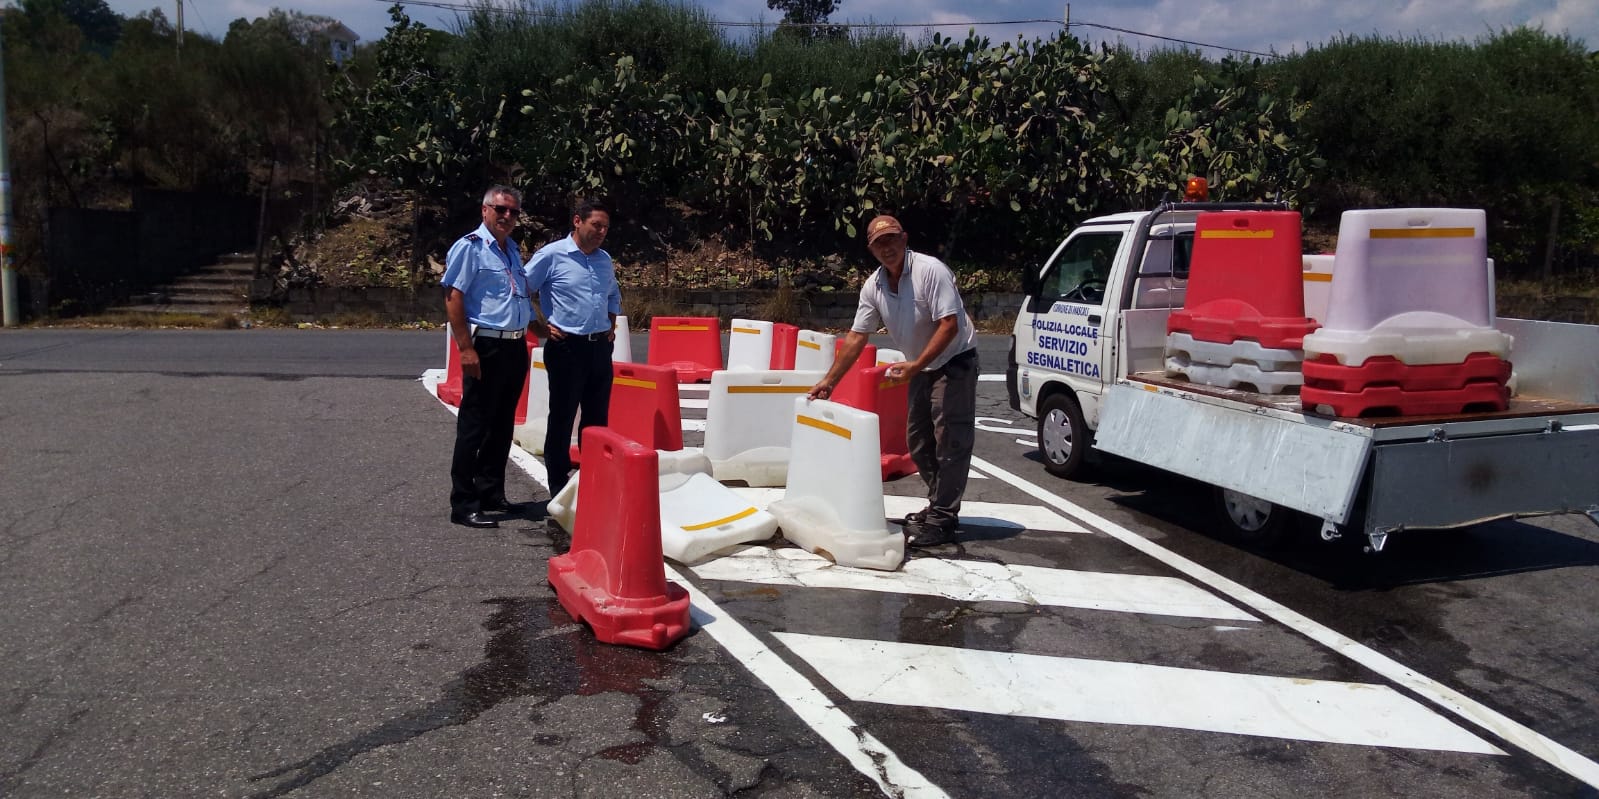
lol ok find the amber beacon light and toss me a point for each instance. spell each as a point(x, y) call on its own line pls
point(1197, 190)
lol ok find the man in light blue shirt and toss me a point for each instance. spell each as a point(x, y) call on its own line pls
point(575, 281)
point(487, 301)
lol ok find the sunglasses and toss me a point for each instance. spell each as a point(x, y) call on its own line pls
point(506, 210)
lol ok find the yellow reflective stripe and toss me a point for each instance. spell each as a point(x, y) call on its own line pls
point(891, 384)
point(633, 382)
point(538, 364)
point(1237, 234)
point(1318, 277)
point(826, 427)
point(719, 522)
point(1148, 387)
point(810, 345)
point(1424, 233)
point(768, 389)
point(682, 327)
point(746, 330)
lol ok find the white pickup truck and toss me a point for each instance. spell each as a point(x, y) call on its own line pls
point(1087, 361)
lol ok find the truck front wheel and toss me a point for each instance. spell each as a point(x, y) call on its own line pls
point(1251, 520)
point(1062, 435)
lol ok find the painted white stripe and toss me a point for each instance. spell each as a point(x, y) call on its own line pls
point(858, 746)
point(1106, 692)
point(693, 388)
point(693, 425)
point(974, 514)
point(698, 404)
point(976, 581)
point(999, 378)
point(1465, 707)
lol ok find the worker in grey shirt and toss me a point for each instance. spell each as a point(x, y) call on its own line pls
point(914, 296)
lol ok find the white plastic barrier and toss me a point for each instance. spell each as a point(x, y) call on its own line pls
point(813, 351)
point(749, 345)
point(699, 516)
point(530, 434)
point(563, 506)
point(623, 346)
point(1187, 349)
point(1412, 283)
point(1317, 273)
point(747, 419)
point(833, 505)
point(1235, 375)
point(886, 357)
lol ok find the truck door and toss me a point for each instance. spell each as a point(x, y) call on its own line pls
point(1062, 340)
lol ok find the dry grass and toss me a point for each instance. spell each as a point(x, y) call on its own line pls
point(148, 321)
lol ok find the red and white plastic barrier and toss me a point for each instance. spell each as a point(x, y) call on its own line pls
point(613, 577)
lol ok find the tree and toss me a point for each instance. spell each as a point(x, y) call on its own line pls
point(100, 25)
point(806, 19)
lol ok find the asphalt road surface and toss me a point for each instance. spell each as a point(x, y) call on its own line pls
point(226, 570)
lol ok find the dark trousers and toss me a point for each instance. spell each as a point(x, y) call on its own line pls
point(940, 428)
point(483, 428)
point(580, 375)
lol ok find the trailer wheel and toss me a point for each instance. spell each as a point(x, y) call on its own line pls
point(1062, 435)
point(1251, 520)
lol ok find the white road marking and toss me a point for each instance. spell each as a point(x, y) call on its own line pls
point(1429, 689)
point(693, 388)
point(973, 513)
point(693, 425)
point(999, 378)
point(698, 404)
point(858, 746)
point(1107, 692)
point(976, 581)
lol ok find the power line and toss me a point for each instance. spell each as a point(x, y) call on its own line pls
point(472, 7)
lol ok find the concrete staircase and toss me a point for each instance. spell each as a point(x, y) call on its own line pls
point(216, 290)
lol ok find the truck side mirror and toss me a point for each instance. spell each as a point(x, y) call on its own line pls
point(1030, 280)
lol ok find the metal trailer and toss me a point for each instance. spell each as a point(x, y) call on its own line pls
point(1269, 458)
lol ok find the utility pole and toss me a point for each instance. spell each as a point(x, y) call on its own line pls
point(180, 30)
point(8, 273)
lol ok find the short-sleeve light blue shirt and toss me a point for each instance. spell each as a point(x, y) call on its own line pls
point(490, 279)
point(577, 291)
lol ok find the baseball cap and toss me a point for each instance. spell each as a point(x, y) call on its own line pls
point(880, 226)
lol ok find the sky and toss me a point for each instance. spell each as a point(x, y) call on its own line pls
point(1263, 26)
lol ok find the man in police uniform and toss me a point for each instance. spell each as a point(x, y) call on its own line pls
point(914, 296)
point(488, 305)
point(576, 284)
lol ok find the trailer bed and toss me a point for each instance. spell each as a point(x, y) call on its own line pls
point(1520, 406)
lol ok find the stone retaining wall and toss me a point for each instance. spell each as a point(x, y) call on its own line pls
point(814, 309)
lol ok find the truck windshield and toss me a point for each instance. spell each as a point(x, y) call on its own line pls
point(1079, 274)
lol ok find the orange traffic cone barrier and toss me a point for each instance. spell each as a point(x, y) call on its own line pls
point(613, 577)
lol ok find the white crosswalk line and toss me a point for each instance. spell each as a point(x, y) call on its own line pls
point(854, 742)
point(973, 513)
point(977, 581)
point(1107, 692)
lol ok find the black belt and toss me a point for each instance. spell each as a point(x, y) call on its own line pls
point(600, 336)
point(489, 332)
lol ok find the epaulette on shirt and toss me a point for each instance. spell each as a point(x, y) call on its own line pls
point(472, 237)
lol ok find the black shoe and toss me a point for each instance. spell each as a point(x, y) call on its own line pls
point(918, 536)
point(502, 506)
point(919, 517)
point(473, 519)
